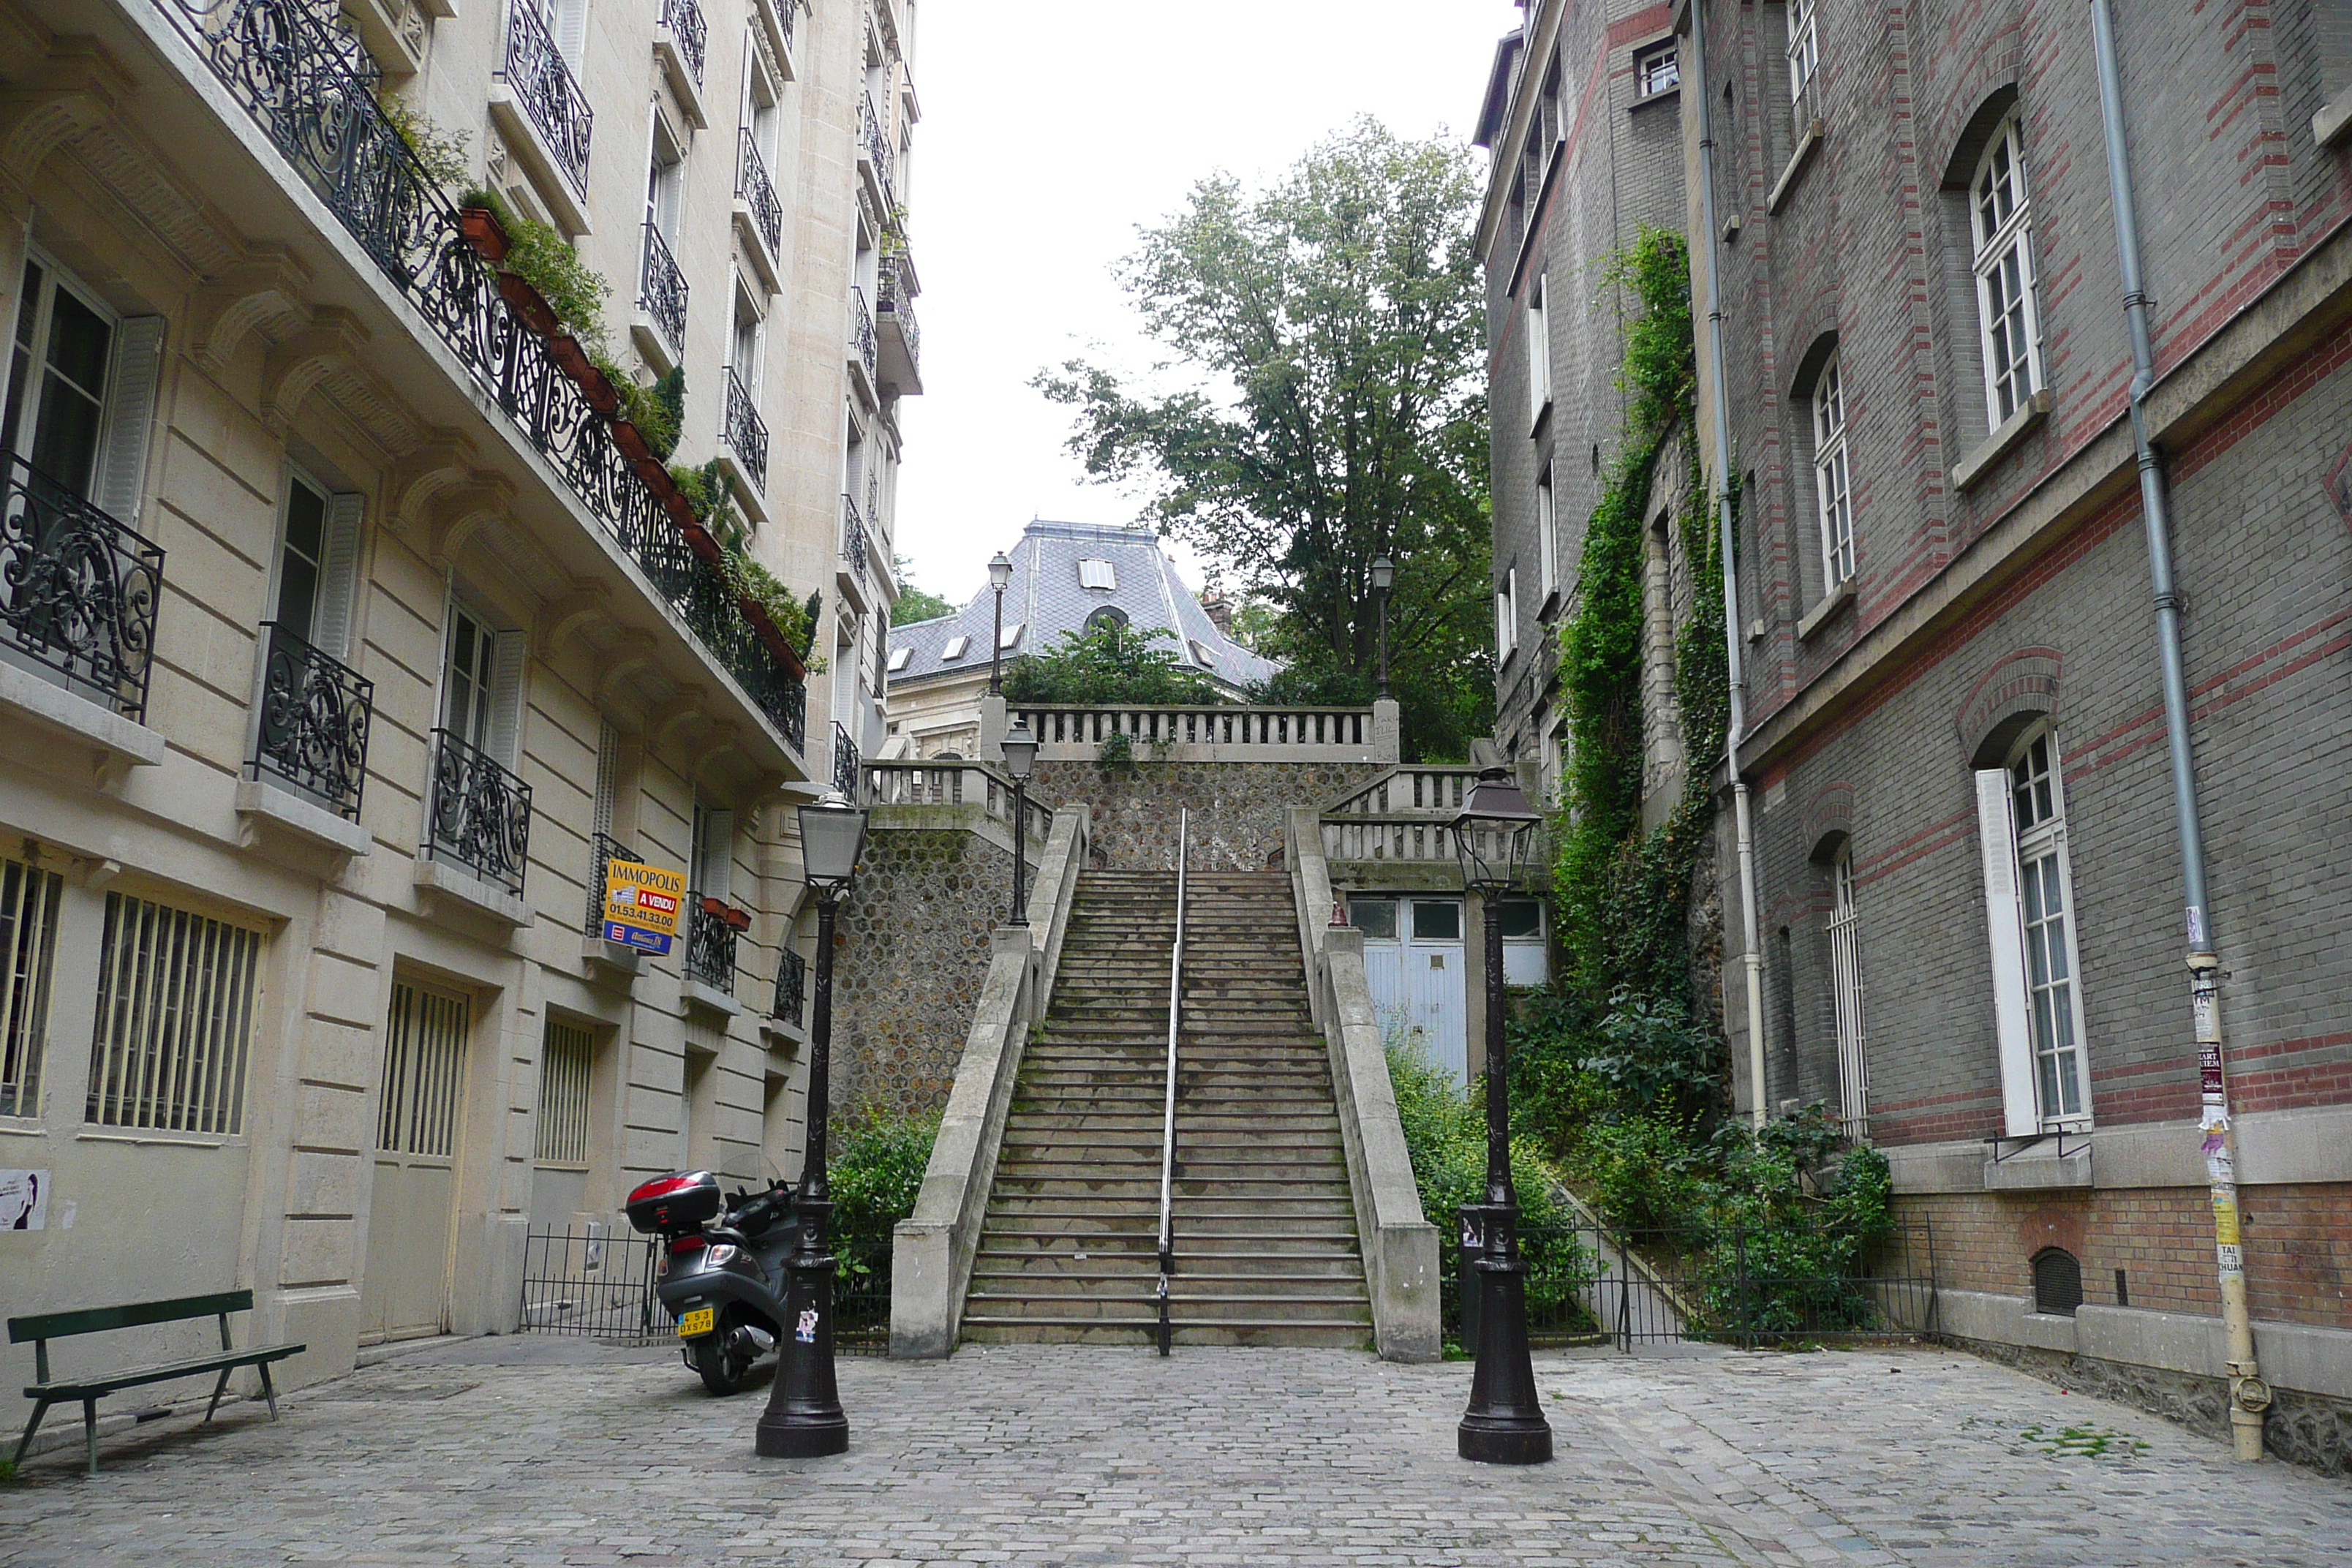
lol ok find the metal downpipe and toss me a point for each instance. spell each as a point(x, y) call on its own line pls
point(1752, 952)
point(2249, 1394)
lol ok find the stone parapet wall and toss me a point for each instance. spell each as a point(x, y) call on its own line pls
point(1236, 807)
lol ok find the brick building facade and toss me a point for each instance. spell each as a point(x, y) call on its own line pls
point(1943, 602)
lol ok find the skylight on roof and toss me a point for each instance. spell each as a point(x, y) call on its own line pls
point(899, 657)
point(1200, 654)
point(1011, 635)
point(1094, 573)
point(955, 648)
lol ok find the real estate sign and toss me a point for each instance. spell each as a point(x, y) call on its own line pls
point(642, 904)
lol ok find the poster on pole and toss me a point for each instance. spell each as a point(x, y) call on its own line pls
point(642, 904)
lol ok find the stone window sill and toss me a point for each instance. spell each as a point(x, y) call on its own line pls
point(2033, 1171)
point(1971, 468)
point(1663, 95)
point(1819, 616)
point(710, 999)
point(1807, 146)
point(781, 1033)
point(468, 891)
point(121, 743)
point(2334, 118)
point(261, 803)
point(612, 957)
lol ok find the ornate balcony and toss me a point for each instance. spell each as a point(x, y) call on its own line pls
point(603, 850)
point(853, 535)
point(757, 194)
point(536, 73)
point(315, 716)
point(710, 943)
point(846, 775)
point(745, 431)
point(862, 350)
point(282, 63)
point(78, 589)
point(792, 987)
point(476, 814)
point(683, 20)
point(874, 157)
point(661, 290)
point(901, 365)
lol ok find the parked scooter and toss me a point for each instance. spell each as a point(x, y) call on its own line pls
point(721, 1268)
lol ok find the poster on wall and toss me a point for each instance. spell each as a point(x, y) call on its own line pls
point(23, 1200)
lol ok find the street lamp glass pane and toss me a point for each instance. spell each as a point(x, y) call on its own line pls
point(1384, 572)
point(1020, 750)
point(831, 837)
point(1000, 572)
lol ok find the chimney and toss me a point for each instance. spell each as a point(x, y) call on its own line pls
point(1220, 611)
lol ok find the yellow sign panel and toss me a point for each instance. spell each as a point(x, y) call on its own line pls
point(642, 904)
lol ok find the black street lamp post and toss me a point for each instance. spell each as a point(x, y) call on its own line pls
point(1019, 761)
point(1504, 1424)
point(803, 1419)
point(1000, 577)
point(1384, 578)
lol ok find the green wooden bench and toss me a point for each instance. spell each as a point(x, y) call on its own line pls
point(46, 1326)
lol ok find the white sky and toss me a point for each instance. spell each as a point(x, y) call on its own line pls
point(1051, 131)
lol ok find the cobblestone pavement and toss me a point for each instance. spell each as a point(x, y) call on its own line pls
point(538, 1452)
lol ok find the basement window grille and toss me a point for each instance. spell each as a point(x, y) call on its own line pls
point(175, 1015)
point(2057, 1282)
point(424, 1073)
point(565, 1068)
point(28, 941)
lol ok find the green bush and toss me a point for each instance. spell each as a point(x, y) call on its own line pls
point(1109, 664)
point(877, 1170)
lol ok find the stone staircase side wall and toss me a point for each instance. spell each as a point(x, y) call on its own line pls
point(1400, 1242)
point(1236, 807)
point(932, 1253)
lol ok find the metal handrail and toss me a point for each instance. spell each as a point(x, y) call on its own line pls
point(1168, 1123)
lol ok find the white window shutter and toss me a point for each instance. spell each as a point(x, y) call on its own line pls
point(2005, 933)
point(608, 776)
point(505, 732)
point(716, 874)
point(570, 31)
point(132, 382)
point(339, 575)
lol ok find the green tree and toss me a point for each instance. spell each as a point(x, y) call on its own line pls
point(913, 604)
point(1332, 337)
point(1109, 664)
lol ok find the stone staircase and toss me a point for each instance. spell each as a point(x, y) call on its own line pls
point(1265, 1242)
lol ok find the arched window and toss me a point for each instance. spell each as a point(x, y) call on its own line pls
point(1832, 488)
point(1111, 616)
point(2057, 1282)
point(2001, 223)
point(1846, 972)
point(2022, 810)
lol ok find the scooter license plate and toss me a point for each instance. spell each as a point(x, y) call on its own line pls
point(699, 1321)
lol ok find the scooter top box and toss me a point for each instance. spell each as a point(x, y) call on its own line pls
point(679, 1202)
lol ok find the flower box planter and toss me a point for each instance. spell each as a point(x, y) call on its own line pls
point(526, 304)
point(485, 233)
point(565, 350)
point(651, 469)
point(757, 613)
point(598, 388)
point(736, 920)
point(634, 447)
point(697, 538)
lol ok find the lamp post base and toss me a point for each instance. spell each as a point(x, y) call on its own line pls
point(1504, 1424)
point(811, 1440)
point(803, 1419)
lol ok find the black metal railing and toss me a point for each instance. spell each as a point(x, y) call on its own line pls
point(753, 185)
point(861, 1297)
point(536, 72)
point(898, 306)
point(78, 589)
point(792, 987)
point(587, 1281)
point(661, 290)
point(280, 60)
point(874, 144)
point(853, 535)
point(478, 814)
point(314, 721)
point(603, 850)
point(746, 432)
point(845, 774)
point(683, 20)
point(710, 946)
point(861, 332)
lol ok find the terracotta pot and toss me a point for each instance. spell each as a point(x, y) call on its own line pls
point(598, 389)
point(633, 444)
point(526, 304)
point(656, 478)
point(698, 540)
point(566, 352)
point(681, 511)
point(485, 233)
point(740, 919)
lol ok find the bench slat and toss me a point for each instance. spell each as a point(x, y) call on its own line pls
point(134, 1377)
point(130, 1315)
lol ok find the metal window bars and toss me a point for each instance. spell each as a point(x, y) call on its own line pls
point(872, 142)
point(792, 987)
point(538, 75)
point(683, 20)
point(845, 772)
point(661, 290)
point(313, 724)
point(751, 185)
point(79, 589)
point(861, 334)
point(898, 305)
point(603, 850)
point(710, 944)
point(853, 535)
point(284, 65)
point(1168, 1123)
point(478, 814)
point(745, 431)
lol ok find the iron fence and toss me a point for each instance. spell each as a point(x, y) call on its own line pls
point(78, 590)
point(853, 536)
point(314, 719)
point(1746, 1285)
point(591, 1282)
point(861, 1297)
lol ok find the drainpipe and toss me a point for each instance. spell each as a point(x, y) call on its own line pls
point(1753, 957)
point(2249, 1394)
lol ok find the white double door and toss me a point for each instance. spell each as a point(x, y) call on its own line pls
point(1414, 963)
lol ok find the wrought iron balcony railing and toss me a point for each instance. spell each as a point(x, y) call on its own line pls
point(536, 72)
point(683, 20)
point(78, 589)
point(661, 290)
point(861, 332)
point(279, 59)
point(603, 850)
point(751, 185)
point(710, 946)
point(898, 305)
point(874, 143)
point(314, 721)
point(476, 814)
point(746, 432)
point(846, 775)
point(792, 987)
point(853, 535)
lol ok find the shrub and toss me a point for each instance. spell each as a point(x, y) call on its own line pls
point(1109, 664)
point(877, 1170)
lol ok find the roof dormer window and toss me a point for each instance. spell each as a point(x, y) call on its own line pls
point(1096, 574)
point(899, 656)
point(1011, 635)
point(1201, 655)
point(955, 648)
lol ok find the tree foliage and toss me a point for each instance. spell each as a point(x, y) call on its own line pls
point(913, 604)
point(1330, 346)
point(1109, 664)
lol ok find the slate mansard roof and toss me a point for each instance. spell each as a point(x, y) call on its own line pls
point(1046, 601)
